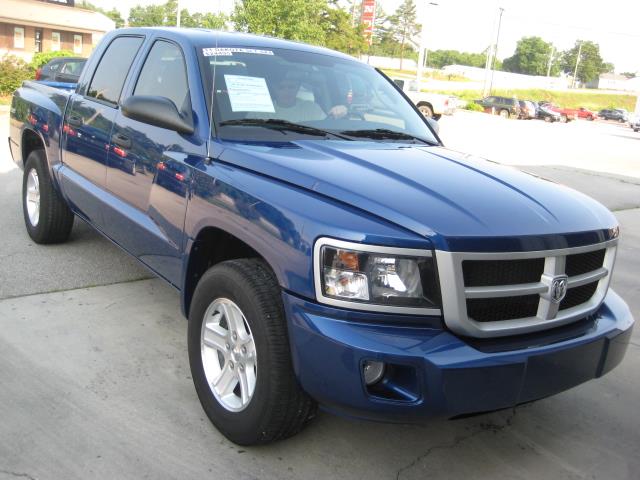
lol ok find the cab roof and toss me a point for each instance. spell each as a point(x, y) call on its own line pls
point(206, 38)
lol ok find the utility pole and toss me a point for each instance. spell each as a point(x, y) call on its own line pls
point(575, 71)
point(495, 50)
point(550, 61)
point(178, 15)
point(421, 53)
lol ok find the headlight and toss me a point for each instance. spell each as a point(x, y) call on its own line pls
point(376, 278)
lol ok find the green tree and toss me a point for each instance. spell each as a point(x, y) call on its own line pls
point(154, 15)
point(113, 14)
point(290, 19)
point(441, 58)
point(340, 32)
point(532, 57)
point(203, 20)
point(404, 25)
point(591, 64)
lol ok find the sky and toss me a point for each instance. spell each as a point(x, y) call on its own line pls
point(469, 25)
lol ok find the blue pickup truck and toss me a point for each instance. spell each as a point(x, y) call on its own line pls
point(327, 248)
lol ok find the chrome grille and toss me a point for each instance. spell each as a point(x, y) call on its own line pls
point(498, 294)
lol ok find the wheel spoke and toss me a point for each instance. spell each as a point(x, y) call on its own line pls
point(226, 382)
point(215, 337)
point(244, 386)
point(234, 318)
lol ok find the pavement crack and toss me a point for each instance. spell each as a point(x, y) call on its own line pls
point(626, 209)
point(18, 474)
point(483, 428)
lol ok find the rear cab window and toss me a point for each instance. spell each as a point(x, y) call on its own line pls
point(109, 77)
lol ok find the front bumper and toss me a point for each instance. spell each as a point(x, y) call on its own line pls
point(446, 375)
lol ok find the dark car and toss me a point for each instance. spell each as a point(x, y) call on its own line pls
point(543, 112)
point(614, 114)
point(61, 69)
point(504, 106)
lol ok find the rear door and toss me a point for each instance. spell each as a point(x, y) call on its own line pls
point(88, 123)
point(150, 167)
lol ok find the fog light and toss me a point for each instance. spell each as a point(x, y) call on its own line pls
point(373, 371)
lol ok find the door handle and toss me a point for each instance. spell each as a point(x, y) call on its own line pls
point(75, 121)
point(121, 140)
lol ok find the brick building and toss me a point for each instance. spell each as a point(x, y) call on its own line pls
point(29, 26)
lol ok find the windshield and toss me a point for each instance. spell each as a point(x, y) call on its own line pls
point(282, 95)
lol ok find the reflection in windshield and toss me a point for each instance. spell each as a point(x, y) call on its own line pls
point(259, 94)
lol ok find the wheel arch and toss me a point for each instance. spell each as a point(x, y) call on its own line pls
point(213, 245)
point(30, 141)
point(424, 103)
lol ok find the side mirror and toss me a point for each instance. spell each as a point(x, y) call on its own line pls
point(158, 111)
point(433, 123)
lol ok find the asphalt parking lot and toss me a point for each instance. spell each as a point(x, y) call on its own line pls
point(95, 382)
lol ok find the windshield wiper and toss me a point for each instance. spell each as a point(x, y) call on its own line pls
point(282, 125)
point(385, 134)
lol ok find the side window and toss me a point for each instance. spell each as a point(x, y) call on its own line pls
point(112, 70)
point(163, 74)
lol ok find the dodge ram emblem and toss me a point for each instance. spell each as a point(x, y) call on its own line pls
point(558, 288)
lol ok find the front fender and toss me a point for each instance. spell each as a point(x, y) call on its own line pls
point(281, 222)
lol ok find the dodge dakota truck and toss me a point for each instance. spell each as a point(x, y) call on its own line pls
point(328, 249)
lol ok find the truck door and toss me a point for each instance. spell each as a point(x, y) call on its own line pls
point(88, 123)
point(149, 167)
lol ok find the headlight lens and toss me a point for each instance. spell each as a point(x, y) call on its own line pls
point(378, 278)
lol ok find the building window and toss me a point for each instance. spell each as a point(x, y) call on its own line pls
point(18, 37)
point(38, 39)
point(55, 41)
point(77, 44)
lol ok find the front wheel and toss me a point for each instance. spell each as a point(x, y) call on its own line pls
point(426, 110)
point(47, 217)
point(504, 113)
point(563, 119)
point(239, 355)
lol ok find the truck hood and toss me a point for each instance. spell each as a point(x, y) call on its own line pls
point(432, 191)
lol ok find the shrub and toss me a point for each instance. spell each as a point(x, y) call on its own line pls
point(41, 58)
point(13, 71)
point(474, 107)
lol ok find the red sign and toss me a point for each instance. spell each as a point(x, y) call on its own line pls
point(368, 18)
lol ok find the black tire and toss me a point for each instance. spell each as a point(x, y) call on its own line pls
point(504, 113)
point(425, 110)
point(279, 408)
point(548, 119)
point(54, 222)
point(564, 119)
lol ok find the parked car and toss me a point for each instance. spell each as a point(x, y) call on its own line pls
point(504, 106)
point(326, 252)
point(546, 114)
point(566, 114)
point(618, 115)
point(634, 122)
point(430, 104)
point(527, 109)
point(586, 114)
point(61, 69)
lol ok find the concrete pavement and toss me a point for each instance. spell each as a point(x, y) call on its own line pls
point(95, 383)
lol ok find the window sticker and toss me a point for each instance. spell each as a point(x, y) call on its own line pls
point(248, 94)
point(229, 51)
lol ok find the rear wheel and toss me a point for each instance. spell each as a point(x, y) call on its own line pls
point(563, 119)
point(547, 119)
point(239, 355)
point(47, 217)
point(504, 113)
